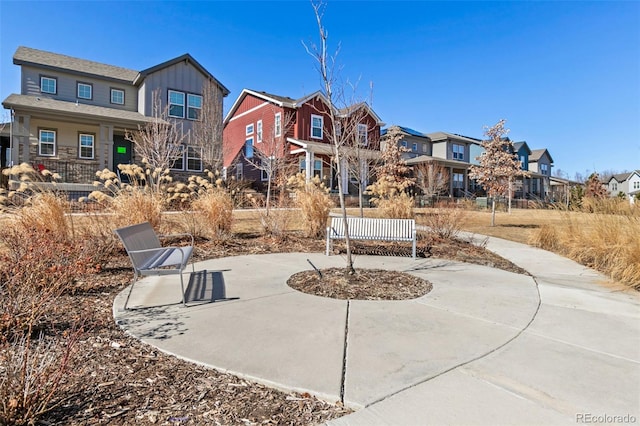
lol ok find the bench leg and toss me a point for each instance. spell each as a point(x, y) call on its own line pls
point(414, 249)
point(184, 302)
point(135, 278)
point(328, 242)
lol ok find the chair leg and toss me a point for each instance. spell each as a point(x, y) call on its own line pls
point(184, 303)
point(135, 278)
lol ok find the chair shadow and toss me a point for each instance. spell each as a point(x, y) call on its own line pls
point(206, 287)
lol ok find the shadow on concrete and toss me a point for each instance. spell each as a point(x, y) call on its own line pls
point(206, 287)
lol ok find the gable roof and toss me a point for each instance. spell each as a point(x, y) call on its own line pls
point(536, 154)
point(439, 136)
point(622, 177)
point(56, 61)
point(287, 102)
point(518, 145)
point(182, 58)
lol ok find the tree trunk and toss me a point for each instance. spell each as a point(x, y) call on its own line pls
point(510, 194)
point(360, 198)
point(347, 240)
point(493, 211)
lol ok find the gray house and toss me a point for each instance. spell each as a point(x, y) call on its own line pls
point(451, 151)
point(71, 114)
point(540, 164)
point(625, 183)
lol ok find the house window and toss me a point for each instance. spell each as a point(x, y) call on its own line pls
point(544, 169)
point(86, 146)
point(424, 147)
point(316, 126)
point(117, 96)
point(176, 104)
point(48, 85)
point(194, 159)
point(636, 185)
point(414, 147)
point(239, 174)
point(194, 106)
point(85, 91)
point(278, 124)
point(403, 144)
point(362, 134)
point(458, 180)
point(522, 162)
point(317, 167)
point(614, 186)
point(458, 152)
point(178, 162)
point(266, 168)
point(47, 143)
point(259, 131)
point(249, 129)
point(248, 148)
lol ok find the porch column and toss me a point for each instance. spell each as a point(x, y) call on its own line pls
point(21, 139)
point(106, 146)
point(308, 164)
point(466, 182)
point(450, 182)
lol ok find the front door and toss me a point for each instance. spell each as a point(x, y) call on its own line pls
point(121, 154)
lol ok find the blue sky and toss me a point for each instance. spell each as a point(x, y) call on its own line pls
point(565, 75)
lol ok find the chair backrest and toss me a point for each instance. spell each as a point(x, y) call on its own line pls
point(138, 237)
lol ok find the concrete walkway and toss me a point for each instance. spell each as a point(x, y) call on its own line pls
point(484, 347)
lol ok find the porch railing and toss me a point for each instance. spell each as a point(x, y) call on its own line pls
point(70, 172)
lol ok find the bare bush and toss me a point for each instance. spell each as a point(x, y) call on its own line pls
point(396, 206)
point(314, 202)
point(443, 222)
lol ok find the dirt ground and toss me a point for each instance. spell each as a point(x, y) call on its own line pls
point(118, 380)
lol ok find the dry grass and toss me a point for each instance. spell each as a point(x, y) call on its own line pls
point(604, 241)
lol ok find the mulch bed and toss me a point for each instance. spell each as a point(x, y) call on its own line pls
point(363, 284)
point(117, 380)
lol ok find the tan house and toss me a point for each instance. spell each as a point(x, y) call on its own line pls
point(71, 114)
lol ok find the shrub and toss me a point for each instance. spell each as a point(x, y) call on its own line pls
point(313, 199)
point(215, 207)
point(275, 220)
point(396, 206)
point(443, 222)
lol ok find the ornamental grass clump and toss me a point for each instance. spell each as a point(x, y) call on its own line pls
point(312, 198)
point(135, 201)
point(606, 242)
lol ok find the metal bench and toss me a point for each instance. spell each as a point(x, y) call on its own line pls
point(150, 258)
point(373, 229)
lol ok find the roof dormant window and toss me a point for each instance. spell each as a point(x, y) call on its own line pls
point(117, 96)
point(316, 126)
point(85, 91)
point(194, 106)
point(48, 85)
point(176, 104)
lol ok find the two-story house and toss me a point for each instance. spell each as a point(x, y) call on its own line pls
point(540, 164)
point(451, 151)
point(261, 126)
point(625, 183)
point(72, 114)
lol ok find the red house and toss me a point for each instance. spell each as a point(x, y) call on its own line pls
point(262, 127)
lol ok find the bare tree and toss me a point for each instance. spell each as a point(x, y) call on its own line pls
point(499, 165)
point(159, 142)
point(271, 157)
point(207, 129)
point(358, 155)
point(326, 67)
point(432, 178)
